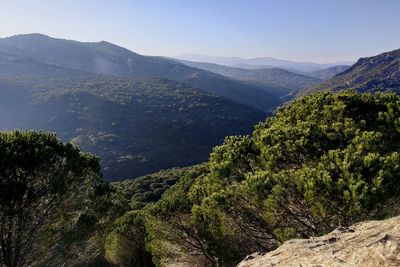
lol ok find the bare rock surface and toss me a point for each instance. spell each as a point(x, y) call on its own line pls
point(365, 244)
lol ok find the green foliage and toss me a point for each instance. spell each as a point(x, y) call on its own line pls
point(46, 190)
point(149, 188)
point(322, 161)
point(171, 239)
point(125, 245)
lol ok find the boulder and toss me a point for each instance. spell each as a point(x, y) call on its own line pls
point(371, 243)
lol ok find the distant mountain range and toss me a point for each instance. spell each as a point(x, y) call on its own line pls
point(263, 89)
point(370, 74)
point(106, 58)
point(261, 62)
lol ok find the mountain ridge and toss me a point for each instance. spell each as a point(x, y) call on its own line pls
point(106, 58)
point(281, 81)
point(262, 62)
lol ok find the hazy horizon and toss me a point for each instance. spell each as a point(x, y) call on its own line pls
point(307, 31)
point(181, 55)
point(266, 56)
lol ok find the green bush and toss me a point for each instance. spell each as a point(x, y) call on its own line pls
point(322, 161)
point(48, 198)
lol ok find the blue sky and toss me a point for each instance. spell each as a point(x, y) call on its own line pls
point(302, 30)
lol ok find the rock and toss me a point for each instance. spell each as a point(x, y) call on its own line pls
point(366, 244)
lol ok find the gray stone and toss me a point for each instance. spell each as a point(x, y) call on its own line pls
point(365, 244)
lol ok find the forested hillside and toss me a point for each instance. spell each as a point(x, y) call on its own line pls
point(136, 126)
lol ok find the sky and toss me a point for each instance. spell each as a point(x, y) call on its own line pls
point(301, 30)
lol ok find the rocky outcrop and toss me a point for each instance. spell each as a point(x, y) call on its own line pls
point(372, 243)
point(371, 74)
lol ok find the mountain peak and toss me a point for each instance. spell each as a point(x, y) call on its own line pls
point(45, 38)
point(29, 36)
point(33, 34)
